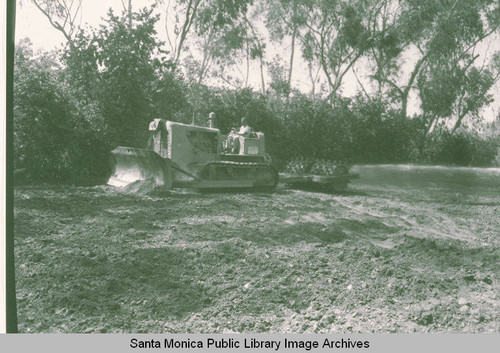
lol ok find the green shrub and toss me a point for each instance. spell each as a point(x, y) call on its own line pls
point(463, 148)
point(55, 139)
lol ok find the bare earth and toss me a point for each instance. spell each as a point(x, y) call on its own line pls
point(405, 250)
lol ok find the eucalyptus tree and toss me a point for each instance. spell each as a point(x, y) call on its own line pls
point(256, 47)
point(180, 16)
point(335, 36)
point(431, 48)
point(63, 15)
point(194, 18)
point(284, 20)
point(222, 54)
point(455, 81)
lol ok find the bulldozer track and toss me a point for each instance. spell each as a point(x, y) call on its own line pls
point(262, 175)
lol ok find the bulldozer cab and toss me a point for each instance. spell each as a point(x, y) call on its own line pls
point(253, 145)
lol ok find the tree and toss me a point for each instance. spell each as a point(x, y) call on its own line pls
point(54, 140)
point(197, 17)
point(454, 92)
point(219, 48)
point(256, 48)
point(127, 9)
point(442, 37)
point(335, 36)
point(386, 46)
point(123, 69)
point(63, 15)
point(285, 18)
point(179, 18)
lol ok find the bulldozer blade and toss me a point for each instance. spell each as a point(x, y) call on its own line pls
point(134, 164)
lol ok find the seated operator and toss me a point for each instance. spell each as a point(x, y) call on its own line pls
point(234, 137)
point(245, 129)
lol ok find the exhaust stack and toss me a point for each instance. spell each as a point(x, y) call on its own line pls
point(211, 118)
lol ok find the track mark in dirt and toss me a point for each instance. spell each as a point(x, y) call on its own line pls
point(383, 222)
point(335, 229)
point(413, 220)
point(204, 220)
point(315, 217)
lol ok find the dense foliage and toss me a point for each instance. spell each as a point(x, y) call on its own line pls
point(56, 138)
point(73, 107)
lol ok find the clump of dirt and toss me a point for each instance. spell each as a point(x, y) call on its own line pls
point(143, 187)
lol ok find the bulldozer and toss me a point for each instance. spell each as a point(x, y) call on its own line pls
point(190, 156)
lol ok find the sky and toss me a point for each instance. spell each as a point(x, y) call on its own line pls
point(31, 23)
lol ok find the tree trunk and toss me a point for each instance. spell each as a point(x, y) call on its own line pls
point(292, 52)
point(263, 83)
point(129, 14)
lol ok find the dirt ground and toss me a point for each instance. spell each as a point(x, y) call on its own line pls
point(404, 250)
